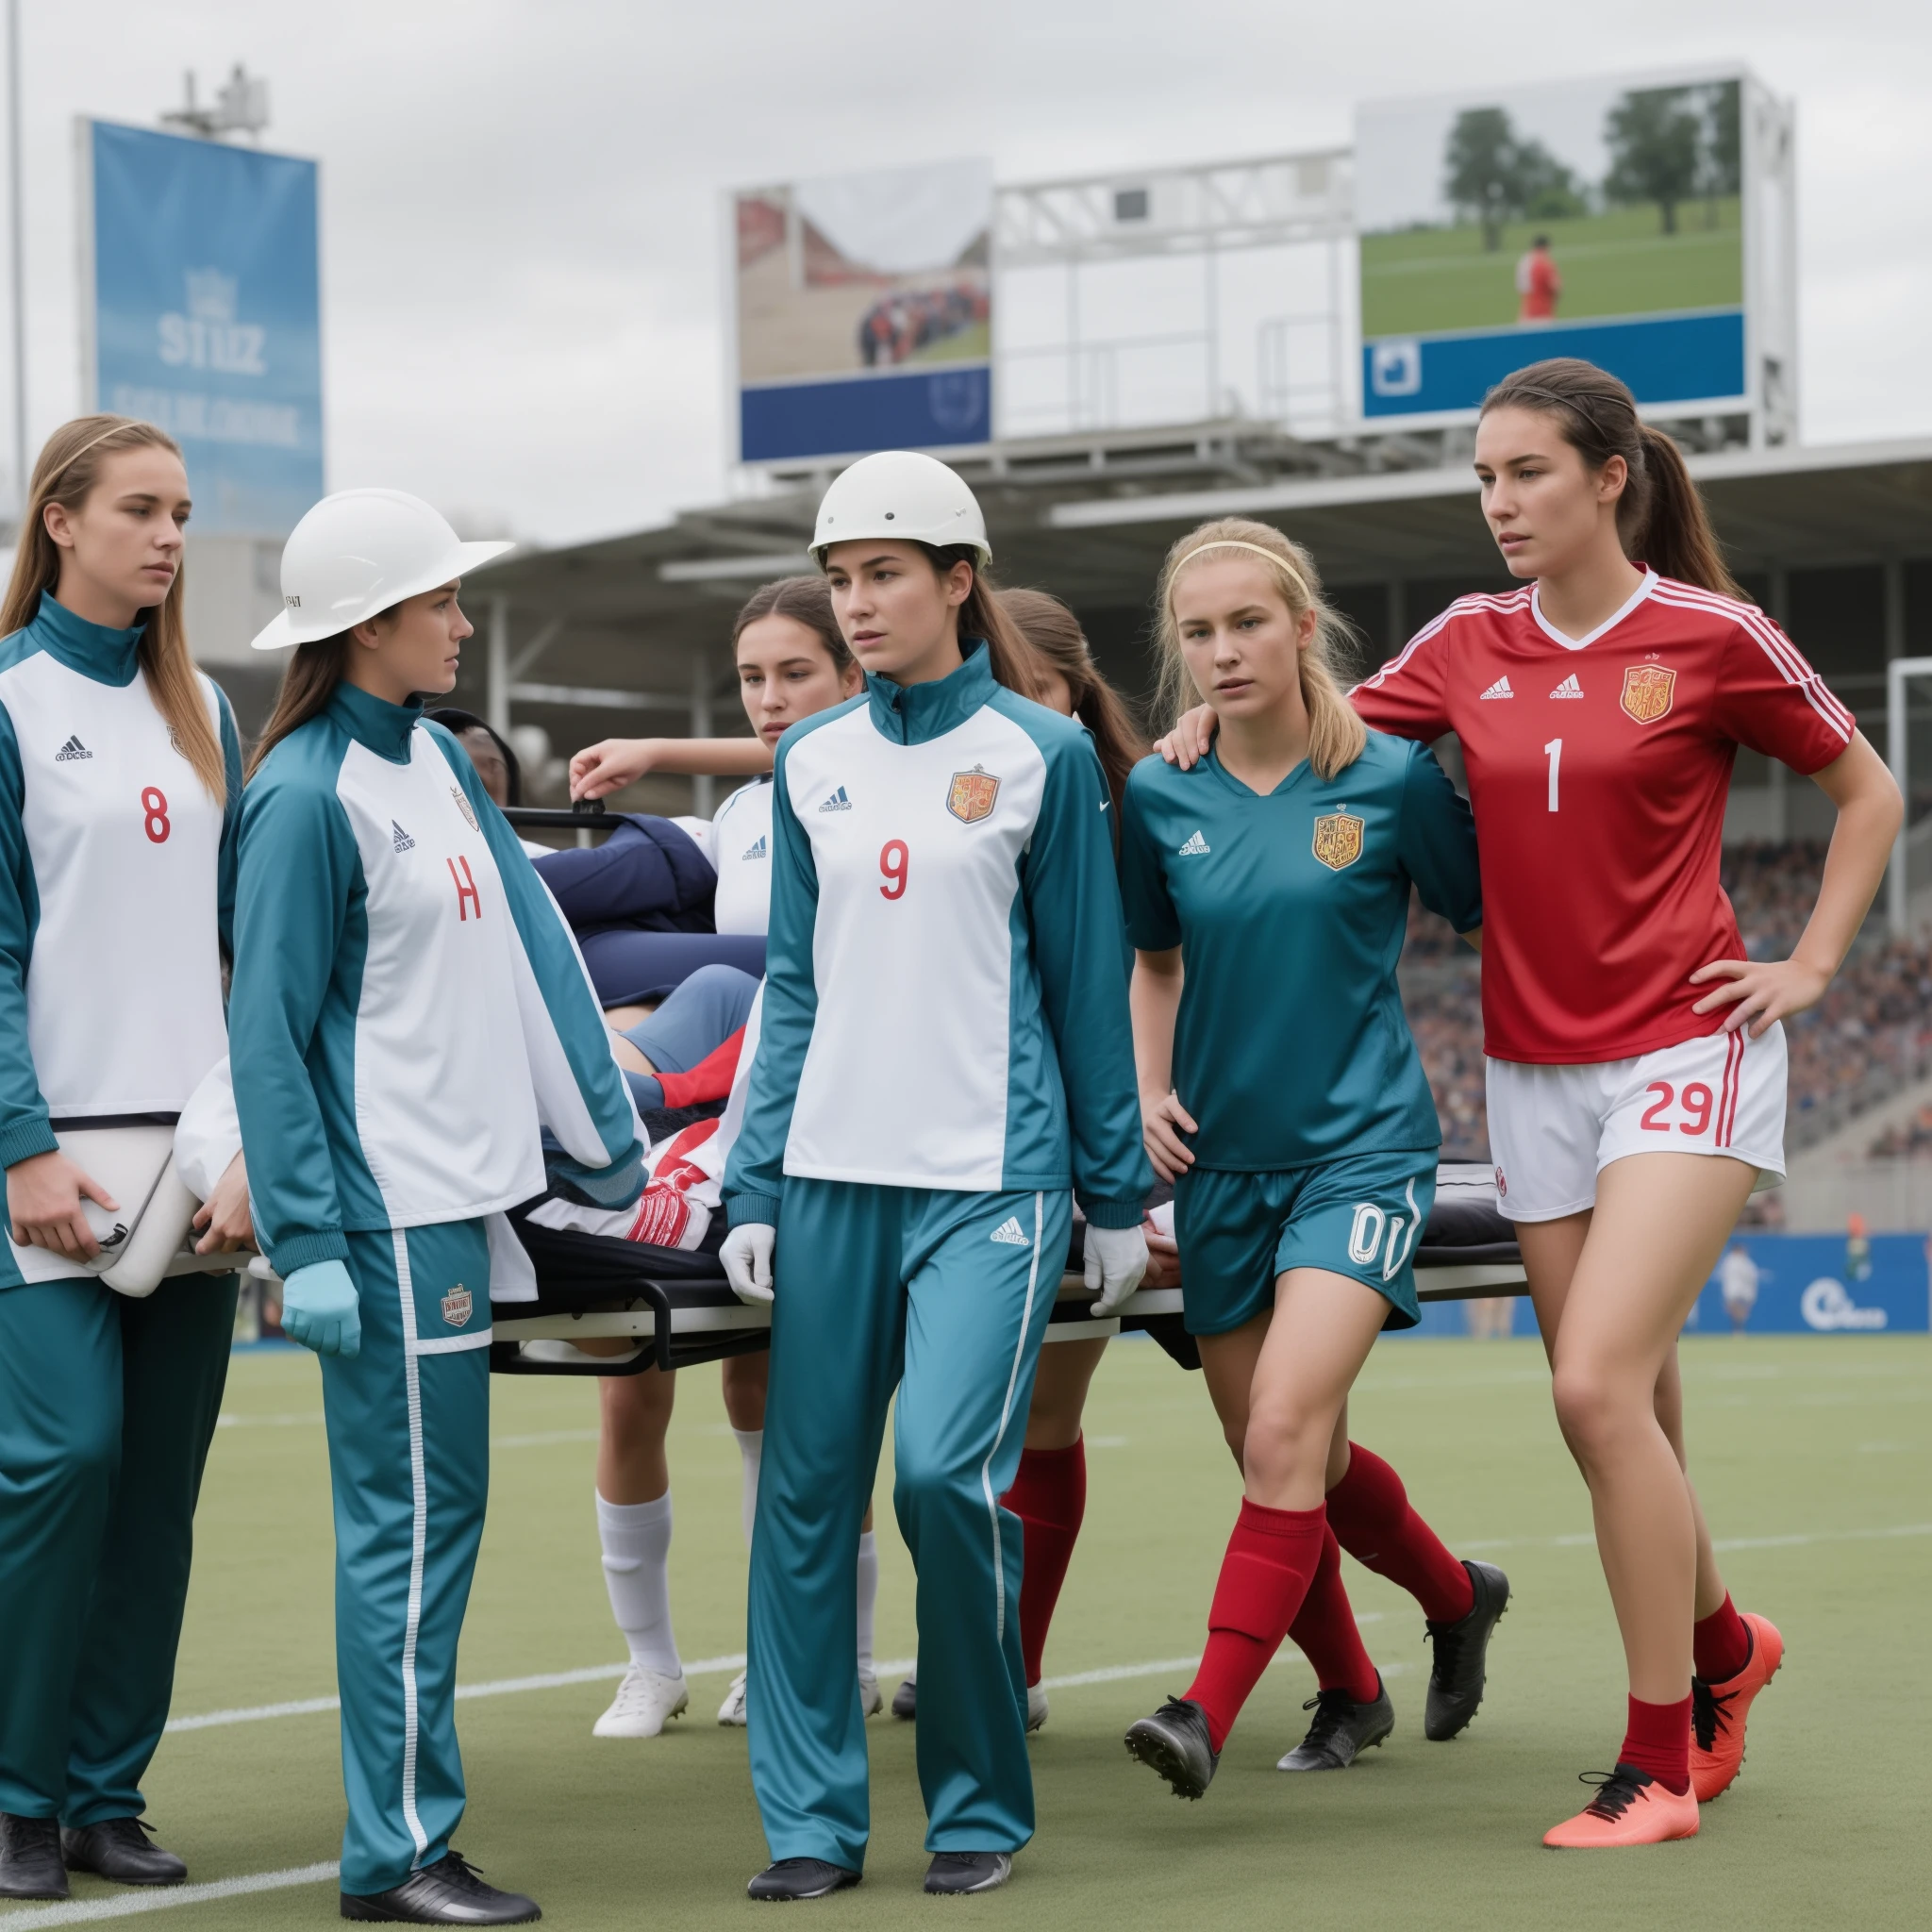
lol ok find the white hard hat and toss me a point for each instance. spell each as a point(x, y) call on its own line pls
point(358, 552)
point(900, 493)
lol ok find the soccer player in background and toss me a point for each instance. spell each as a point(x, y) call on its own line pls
point(1267, 895)
point(1539, 285)
point(1637, 1065)
point(946, 1060)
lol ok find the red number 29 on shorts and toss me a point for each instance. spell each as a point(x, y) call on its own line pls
point(154, 806)
point(1697, 1101)
point(895, 863)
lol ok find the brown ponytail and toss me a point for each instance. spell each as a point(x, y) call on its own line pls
point(68, 469)
point(1660, 518)
point(309, 681)
point(1011, 659)
point(1060, 644)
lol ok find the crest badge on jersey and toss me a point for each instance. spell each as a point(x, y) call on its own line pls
point(1338, 840)
point(456, 1305)
point(463, 805)
point(971, 795)
point(1648, 691)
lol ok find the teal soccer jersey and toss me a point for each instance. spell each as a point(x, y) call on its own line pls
point(1289, 909)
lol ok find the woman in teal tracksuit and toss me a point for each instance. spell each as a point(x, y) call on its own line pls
point(406, 1012)
point(946, 1064)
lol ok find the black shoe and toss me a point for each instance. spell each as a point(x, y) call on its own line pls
point(1456, 1676)
point(1174, 1741)
point(118, 1848)
point(954, 1873)
point(1342, 1731)
point(448, 1893)
point(790, 1878)
point(905, 1700)
point(30, 1865)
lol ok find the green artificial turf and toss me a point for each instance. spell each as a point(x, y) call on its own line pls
point(1812, 1456)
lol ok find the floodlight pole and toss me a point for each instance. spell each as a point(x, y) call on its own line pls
point(1898, 754)
point(15, 225)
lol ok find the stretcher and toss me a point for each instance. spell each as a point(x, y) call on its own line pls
point(675, 1309)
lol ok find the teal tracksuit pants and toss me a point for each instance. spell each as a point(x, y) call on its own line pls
point(108, 1406)
point(945, 1297)
point(408, 1456)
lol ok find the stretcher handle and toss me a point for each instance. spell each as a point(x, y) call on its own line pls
point(586, 815)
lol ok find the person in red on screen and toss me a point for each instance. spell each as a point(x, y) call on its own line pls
point(1539, 285)
point(1636, 1062)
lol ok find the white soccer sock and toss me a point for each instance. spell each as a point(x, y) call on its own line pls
point(751, 1446)
point(868, 1595)
point(637, 1549)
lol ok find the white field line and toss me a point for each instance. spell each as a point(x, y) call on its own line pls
point(163, 1898)
point(1585, 1540)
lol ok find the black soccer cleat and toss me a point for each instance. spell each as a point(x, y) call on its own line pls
point(120, 1849)
point(448, 1893)
point(1342, 1729)
point(1174, 1741)
point(30, 1862)
point(906, 1698)
point(1458, 1673)
point(791, 1878)
point(952, 1874)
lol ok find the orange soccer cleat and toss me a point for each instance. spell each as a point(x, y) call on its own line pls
point(1630, 1808)
point(1717, 1712)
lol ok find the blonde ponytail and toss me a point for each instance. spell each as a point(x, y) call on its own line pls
point(1336, 734)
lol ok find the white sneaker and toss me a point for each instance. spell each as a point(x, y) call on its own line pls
point(732, 1710)
point(1036, 1706)
point(872, 1699)
point(645, 1702)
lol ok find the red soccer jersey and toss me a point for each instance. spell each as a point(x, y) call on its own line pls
point(1598, 769)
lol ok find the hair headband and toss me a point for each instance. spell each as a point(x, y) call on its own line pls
point(120, 422)
point(1274, 556)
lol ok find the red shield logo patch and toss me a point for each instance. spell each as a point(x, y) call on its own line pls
point(970, 798)
point(1648, 690)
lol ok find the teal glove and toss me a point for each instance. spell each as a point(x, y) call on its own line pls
point(321, 1309)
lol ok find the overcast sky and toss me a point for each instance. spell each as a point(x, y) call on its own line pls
point(520, 222)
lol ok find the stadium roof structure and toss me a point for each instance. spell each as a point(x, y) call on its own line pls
point(628, 633)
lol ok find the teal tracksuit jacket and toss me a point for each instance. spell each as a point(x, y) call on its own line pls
point(944, 1064)
point(408, 1014)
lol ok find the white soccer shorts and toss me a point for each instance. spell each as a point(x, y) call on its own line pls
point(1553, 1129)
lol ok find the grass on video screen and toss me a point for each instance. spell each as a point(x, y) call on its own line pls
point(1416, 281)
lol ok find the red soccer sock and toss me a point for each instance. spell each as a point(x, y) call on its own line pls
point(1049, 1496)
point(1325, 1631)
point(1658, 1741)
point(1368, 1511)
point(1272, 1558)
point(1720, 1644)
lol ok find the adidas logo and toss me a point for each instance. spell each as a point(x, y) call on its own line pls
point(1194, 847)
point(1500, 690)
point(758, 850)
point(1568, 688)
point(401, 840)
point(837, 802)
point(70, 751)
point(1011, 1234)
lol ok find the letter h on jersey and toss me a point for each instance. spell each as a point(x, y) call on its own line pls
point(467, 894)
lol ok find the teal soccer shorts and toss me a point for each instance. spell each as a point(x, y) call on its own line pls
point(1360, 1215)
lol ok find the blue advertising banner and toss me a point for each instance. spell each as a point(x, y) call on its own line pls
point(1665, 358)
point(1779, 1284)
point(206, 312)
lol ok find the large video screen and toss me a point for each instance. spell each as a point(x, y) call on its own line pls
point(864, 313)
point(1598, 218)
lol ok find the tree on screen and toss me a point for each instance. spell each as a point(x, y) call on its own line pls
point(1491, 175)
point(1659, 148)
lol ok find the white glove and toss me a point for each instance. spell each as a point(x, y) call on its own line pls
point(1116, 1260)
point(747, 1259)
